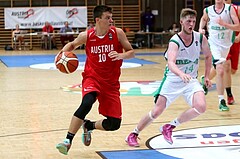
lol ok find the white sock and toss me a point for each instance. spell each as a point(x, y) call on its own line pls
point(136, 131)
point(220, 97)
point(175, 122)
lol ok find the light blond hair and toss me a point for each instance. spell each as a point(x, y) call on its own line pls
point(188, 11)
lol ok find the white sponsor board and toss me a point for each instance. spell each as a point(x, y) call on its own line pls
point(35, 17)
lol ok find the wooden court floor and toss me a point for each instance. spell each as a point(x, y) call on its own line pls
point(35, 113)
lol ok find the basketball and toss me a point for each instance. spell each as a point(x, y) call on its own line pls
point(66, 62)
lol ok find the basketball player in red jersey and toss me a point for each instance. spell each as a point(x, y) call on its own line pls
point(104, 49)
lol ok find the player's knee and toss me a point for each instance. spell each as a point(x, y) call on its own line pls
point(227, 68)
point(160, 106)
point(86, 105)
point(220, 70)
point(158, 109)
point(200, 109)
point(82, 111)
point(111, 124)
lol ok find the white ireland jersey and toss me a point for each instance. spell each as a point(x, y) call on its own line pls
point(219, 35)
point(187, 58)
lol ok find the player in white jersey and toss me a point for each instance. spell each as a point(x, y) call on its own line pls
point(180, 78)
point(231, 64)
point(220, 40)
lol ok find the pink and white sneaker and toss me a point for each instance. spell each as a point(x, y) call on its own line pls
point(167, 132)
point(132, 140)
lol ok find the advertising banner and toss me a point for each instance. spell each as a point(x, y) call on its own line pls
point(35, 17)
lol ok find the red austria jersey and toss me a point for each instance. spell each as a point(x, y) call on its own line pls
point(98, 65)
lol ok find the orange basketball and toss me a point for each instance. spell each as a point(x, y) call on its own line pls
point(66, 62)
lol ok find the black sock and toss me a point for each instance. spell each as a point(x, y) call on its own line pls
point(229, 91)
point(90, 125)
point(70, 136)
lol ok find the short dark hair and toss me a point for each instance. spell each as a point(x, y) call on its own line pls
point(98, 11)
point(188, 11)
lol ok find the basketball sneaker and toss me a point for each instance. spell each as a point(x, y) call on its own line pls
point(223, 106)
point(64, 146)
point(132, 140)
point(230, 100)
point(203, 85)
point(167, 132)
point(86, 136)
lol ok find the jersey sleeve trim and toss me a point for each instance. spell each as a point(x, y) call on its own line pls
point(176, 42)
point(229, 8)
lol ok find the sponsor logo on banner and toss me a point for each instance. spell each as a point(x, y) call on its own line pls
point(218, 142)
point(23, 14)
point(71, 12)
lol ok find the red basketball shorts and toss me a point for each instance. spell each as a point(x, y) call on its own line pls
point(233, 55)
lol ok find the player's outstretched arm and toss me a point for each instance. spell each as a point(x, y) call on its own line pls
point(203, 22)
point(208, 60)
point(81, 39)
